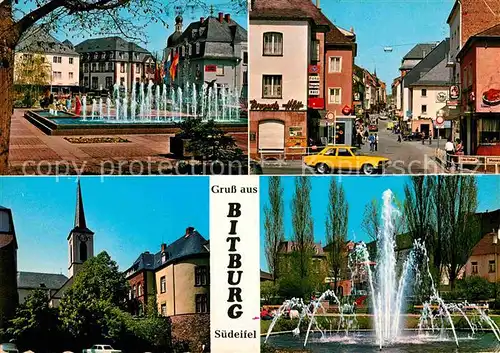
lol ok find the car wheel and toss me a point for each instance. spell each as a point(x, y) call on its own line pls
point(368, 169)
point(322, 168)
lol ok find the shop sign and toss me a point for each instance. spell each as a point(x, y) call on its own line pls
point(210, 68)
point(454, 92)
point(316, 103)
point(314, 69)
point(467, 160)
point(492, 160)
point(291, 105)
point(346, 110)
point(296, 142)
point(314, 78)
point(491, 97)
point(441, 97)
point(313, 84)
point(295, 131)
point(314, 92)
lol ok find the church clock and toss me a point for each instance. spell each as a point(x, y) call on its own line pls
point(83, 237)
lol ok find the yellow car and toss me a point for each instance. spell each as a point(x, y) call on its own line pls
point(346, 158)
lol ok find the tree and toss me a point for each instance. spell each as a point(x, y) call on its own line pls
point(99, 17)
point(91, 309)
point(336, 230)
point(35, 326)
point(302, 223)
point(461, 227)
point(273, 225)
point(31, 73)
point(268, 291)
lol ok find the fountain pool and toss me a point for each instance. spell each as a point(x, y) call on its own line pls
point(408, 342)
point(146, 109)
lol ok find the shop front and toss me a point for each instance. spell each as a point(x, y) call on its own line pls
point(278, 132)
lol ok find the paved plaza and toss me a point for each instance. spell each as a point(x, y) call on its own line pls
point(34, 152)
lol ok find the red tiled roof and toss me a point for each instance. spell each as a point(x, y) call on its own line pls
point(490, 32)
point(485, 246)
point(287, 9)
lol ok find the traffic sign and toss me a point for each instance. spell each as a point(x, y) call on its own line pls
point(330, 115)
point(439, 121)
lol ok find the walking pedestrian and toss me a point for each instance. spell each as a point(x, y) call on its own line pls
point(78, 106)
point(449, 147)
point(399, 137)
point(376, 142)
point(372, 142)
point(430, 139)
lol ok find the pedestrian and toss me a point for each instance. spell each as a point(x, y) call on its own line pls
point(430, 139)
point(459, 148)
point(78, 106)
point(449, 147)
point(372, 142)
point(422, 136)
point(376, 142)
point(68, 103)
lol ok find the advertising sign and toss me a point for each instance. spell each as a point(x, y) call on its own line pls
point(314, 92)
point(454, 92)
point(489, 100)
point(313, 69)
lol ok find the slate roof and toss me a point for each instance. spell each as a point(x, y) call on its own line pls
point(80, 224)
point(192, 243)
point(420, 51)
point(33, 280)
point(38, 40)
point(439, 75)
point(335, 35)
point(287, 10)
point(108, 44)
point(435, 57)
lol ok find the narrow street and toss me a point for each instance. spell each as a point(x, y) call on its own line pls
point(407, 157)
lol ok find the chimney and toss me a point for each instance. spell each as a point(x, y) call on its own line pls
point(189, 231)
point(202, 19)
point(221, 17)
point(352, 30)
point(227, 17)
point(163, 247)
point(317, 4)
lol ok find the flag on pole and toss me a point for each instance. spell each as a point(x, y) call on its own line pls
point(173, 67)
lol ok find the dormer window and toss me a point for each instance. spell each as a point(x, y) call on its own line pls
point(197, 48)
point(202, 30)
point(111, 55)
point(96, 56)
point(163, 258)
point(194, 33)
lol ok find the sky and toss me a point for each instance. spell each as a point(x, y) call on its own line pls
point(156, 33)
point(129, 215)
point(397, 23)
point(359, 191)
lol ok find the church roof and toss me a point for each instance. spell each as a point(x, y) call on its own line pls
point(34, 280)
point(80, 222)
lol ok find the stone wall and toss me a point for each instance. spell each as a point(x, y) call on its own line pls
point(192, 329)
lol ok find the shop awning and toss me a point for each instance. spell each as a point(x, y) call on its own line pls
point(450, 112)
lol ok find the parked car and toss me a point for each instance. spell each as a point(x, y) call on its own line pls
point(346, 158)
point(8, 348)
point(372, 128)
point(101, 348)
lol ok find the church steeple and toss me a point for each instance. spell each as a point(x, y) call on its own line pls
point(80, 239)
point(80, 222)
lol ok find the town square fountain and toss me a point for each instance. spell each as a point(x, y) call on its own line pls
point(146, 108)
point(390, 283)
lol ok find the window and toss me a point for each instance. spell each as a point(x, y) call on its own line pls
point(138, 69)
point(334, 96)
point(271, 86)
point(70, 75)
point(194, 32)
point(102, 67)
point(491, 266)
point(245, 58)
point(122, 68)
point(164, 309)
point(474, 267)
point(57, 75)
point(220, 70)
point(197, 48)
point(200, 276)
point(344, 152)
point(424, 109)
point(111, 55)
point(315, 51)
point(56, 59)
point(95, 82)
point(201, 303)
point(139, 290)
point(92, 67)
point(424, 92)
point(109, 82)
point(85, 67)
point(134, 289)
point(190, 51)
point(122, 81)
point(110, 66)
point(86, 82)
point(71, 61)
point(335, 64)
point(120, 55)
point(163, 284)
point(273, 44)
